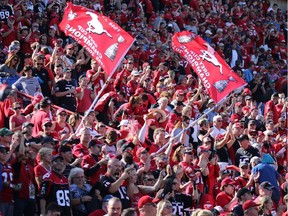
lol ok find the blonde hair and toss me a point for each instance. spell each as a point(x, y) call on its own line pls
point(44, 151)
point(161, 206)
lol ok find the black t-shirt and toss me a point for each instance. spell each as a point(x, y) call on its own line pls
point(180, 203)
point(245, 155)
point(121, 193)
point(55, 188)
point(5, 12)
point(68, 101)
point(238, 210)
point(43, 78)
point(223, 154)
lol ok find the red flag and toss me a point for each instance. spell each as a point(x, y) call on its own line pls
point(105, 41)
point(216, 75)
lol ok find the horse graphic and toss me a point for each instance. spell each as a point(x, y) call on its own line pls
point(210, 57)
point(95, 26)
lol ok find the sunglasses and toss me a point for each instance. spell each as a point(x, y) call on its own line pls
point(70, 49)
point(48, 125)
point(17, 108)
point(130, 62)
point(63, 114)
point(244, 167)
point(174, 183)
point(219, 120)
point(102, 126)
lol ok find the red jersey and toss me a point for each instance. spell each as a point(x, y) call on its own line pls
point(223, 199)
point(99, 81)
point(6, 195)
point(66, 129)
point(88, 162)
point(85, 103)
point(40, 171)
point(37, 119)
point(80, 150)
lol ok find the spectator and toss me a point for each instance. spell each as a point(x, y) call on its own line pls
point(250, 208)
point(244, 194)
point(65, 91)
point(114, 207)
point(164, 207)
point(146, 206)
point(53, 185)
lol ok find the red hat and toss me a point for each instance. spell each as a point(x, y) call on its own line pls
point(60, 110)
point(46, 120)
point(70, 46)
point(237, 125)
point(144, 200)
point(245, 109)
point(247, 91)
point(238, 104)
point(180, 92)
point(249, 204)
point(139, 91)
point(140, 150)
point(227, 181)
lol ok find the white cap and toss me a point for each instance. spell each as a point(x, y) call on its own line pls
point(208, 32)
point(123, 122)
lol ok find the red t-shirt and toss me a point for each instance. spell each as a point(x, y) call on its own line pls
point(37, 119)
point(85, 103)
point(223, 199)
point(80, 150)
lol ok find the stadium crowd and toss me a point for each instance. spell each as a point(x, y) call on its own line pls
point(141, 149)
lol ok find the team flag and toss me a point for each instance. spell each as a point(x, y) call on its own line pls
point(216, 75)
point(105, 41)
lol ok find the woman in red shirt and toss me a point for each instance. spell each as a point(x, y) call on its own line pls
point(16, 120)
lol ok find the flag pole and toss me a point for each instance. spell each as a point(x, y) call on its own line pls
point(193, 123)
point(94, 102)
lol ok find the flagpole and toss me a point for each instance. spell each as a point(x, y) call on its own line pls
point(193, 123)
point(94, 102)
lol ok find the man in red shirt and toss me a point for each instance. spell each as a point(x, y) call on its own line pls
point(40, 115)
point(81, 149)
point(91, 163)
point(96, 75)
point(226, 198)
point(271, 106)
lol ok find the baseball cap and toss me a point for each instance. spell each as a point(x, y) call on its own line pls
point(26, 124)
point(242, 191)
point(66, 69)
point(252, 122)
point(5, 148)
point(127, 145)
point(208, 32)
point(243, 164)
point(5, 132)
point(227, 181)
point(57, 157)
point(47, 139)
point(180, 92)
point(248, 97)
point(46, 120)
point(140, 150)
point(144, 200)
point(94, 142)
point(243, 137)
point(65, 148)
point(249, 204)
point(180, 103)
point(210, 101)
point(107, 198)
point(266, 185)
point(45, 102)
point(188, 150)
point(203, 148)
point(60, 110)
point(70, 46)
point(238, 104)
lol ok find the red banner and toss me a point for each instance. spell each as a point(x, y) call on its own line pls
point(105, 41)
point(216, 75)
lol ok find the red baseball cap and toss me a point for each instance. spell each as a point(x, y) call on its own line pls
point(140, 150)
point(144, 200)
point(180, 92)
point(249, 204)
point(238, 104)
point(227, 181)
point(247, 91)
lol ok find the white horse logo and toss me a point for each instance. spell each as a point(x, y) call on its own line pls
point(95, 26)
point(209, 56)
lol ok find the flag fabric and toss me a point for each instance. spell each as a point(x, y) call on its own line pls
point(216, 75)
point(102, 38)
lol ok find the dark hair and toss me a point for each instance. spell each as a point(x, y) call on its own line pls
point(129, 212)
point(168, 185)
point(27, 68)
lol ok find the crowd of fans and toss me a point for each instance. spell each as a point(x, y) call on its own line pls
point(141, 149)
